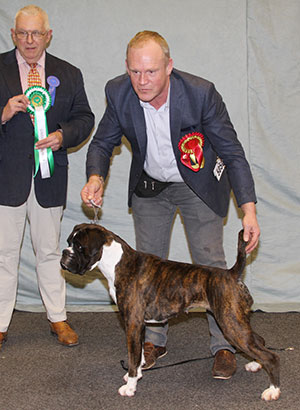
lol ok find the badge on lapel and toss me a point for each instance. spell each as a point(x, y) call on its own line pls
point(191, 148)
point(53, 83)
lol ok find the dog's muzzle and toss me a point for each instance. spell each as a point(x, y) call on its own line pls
point(69, 261)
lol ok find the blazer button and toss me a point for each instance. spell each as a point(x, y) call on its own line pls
point(29, 156)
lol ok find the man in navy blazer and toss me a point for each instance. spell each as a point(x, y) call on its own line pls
point(69, 122)
point(186, 156)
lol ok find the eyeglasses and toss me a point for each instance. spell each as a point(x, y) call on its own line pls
point(36, 35)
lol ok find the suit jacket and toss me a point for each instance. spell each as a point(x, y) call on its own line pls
point(195, 106)
point(70, 112)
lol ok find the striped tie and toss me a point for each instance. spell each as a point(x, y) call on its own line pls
point(33, 79)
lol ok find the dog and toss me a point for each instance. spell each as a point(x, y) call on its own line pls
point(148, 289)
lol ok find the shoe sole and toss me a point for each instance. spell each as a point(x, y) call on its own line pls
point(222, 377)
point(151, 365)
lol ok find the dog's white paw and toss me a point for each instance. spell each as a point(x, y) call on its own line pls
point(253, 367)
point(126, 391)
point(125, 377)
point(129, 388)
point(272, 393)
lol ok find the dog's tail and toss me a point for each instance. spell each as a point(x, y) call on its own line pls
point(240, 263)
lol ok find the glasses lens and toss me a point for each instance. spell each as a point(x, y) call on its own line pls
point(24, 34)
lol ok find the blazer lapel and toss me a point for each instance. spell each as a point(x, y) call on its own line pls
point(11, 74)
point(176, 110)
point(137, 114)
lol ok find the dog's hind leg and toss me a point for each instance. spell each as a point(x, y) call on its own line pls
point(254, 366)
point(242, 336)
point(134, 345)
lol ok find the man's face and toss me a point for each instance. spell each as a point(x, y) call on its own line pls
point(30, 47)
point(149, 72)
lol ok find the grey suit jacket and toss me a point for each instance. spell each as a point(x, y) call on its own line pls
point(195, 106)
point(70, 112)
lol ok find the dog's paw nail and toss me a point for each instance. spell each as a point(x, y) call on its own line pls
point(272, 393)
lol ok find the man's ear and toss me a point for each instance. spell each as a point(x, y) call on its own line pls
point(127, 68)
point(170, 66)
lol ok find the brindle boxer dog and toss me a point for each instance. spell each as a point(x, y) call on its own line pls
point(147, 289)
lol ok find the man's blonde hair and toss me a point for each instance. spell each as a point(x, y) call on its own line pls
point(143, 36)
point(33, 10)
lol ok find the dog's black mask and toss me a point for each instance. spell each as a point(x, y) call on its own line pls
point(85, 248)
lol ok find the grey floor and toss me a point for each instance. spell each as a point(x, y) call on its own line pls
point(36, 373)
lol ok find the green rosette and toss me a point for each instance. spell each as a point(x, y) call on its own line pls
point(39, 104)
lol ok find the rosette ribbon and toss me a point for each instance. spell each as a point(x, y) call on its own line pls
point(40, 102)
point(191, 148)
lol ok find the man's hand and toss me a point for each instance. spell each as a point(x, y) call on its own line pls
point(250, 225)
point(53, 141)
point(18, 103)
point(93, 191)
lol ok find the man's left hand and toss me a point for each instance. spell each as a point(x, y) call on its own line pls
point(250, 225)
point(53, 141)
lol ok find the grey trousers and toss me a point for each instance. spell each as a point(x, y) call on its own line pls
point(153, 221)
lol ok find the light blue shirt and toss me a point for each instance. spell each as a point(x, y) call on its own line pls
point(160, 162)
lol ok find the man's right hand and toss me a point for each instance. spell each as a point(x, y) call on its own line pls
point(93, 191)
point(18, 103)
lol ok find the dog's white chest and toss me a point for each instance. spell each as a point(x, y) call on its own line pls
point(111, 256)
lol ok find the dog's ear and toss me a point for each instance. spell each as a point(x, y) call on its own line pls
point(97, 238)
point(75, 230)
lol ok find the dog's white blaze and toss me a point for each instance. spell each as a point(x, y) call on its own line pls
point(253, 367)
point(272, 393)
point(111, 256)
point(70, 249)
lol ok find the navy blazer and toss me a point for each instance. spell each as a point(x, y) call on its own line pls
point(71, 112)
point(195, 106)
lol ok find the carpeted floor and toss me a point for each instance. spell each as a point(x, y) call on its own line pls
point(39, 374)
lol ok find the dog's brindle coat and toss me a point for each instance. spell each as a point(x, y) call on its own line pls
point(147, 288)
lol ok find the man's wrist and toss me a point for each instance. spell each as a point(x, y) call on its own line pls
point(249, 208)
point(97, 177)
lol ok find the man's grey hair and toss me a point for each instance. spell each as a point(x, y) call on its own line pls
point(33, 10)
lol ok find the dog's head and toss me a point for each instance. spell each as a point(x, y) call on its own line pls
point(85, 248)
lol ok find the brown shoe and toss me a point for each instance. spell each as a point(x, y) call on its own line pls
point(152, 353)
point(65, 334)
point(224, 365)
point(3, 337)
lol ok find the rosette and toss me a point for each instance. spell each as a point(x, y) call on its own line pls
point(39, 104)
point(53, 84)
point(191, 148)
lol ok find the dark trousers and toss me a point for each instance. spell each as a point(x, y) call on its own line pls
point(153, 221)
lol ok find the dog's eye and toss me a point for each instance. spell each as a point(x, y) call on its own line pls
point(78, 246)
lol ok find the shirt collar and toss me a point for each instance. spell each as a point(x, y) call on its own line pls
point(21, 60)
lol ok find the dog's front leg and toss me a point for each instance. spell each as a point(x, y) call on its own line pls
point(135, 360)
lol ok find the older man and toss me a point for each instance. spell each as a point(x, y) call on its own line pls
point(186, 156)
point(31, 186)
